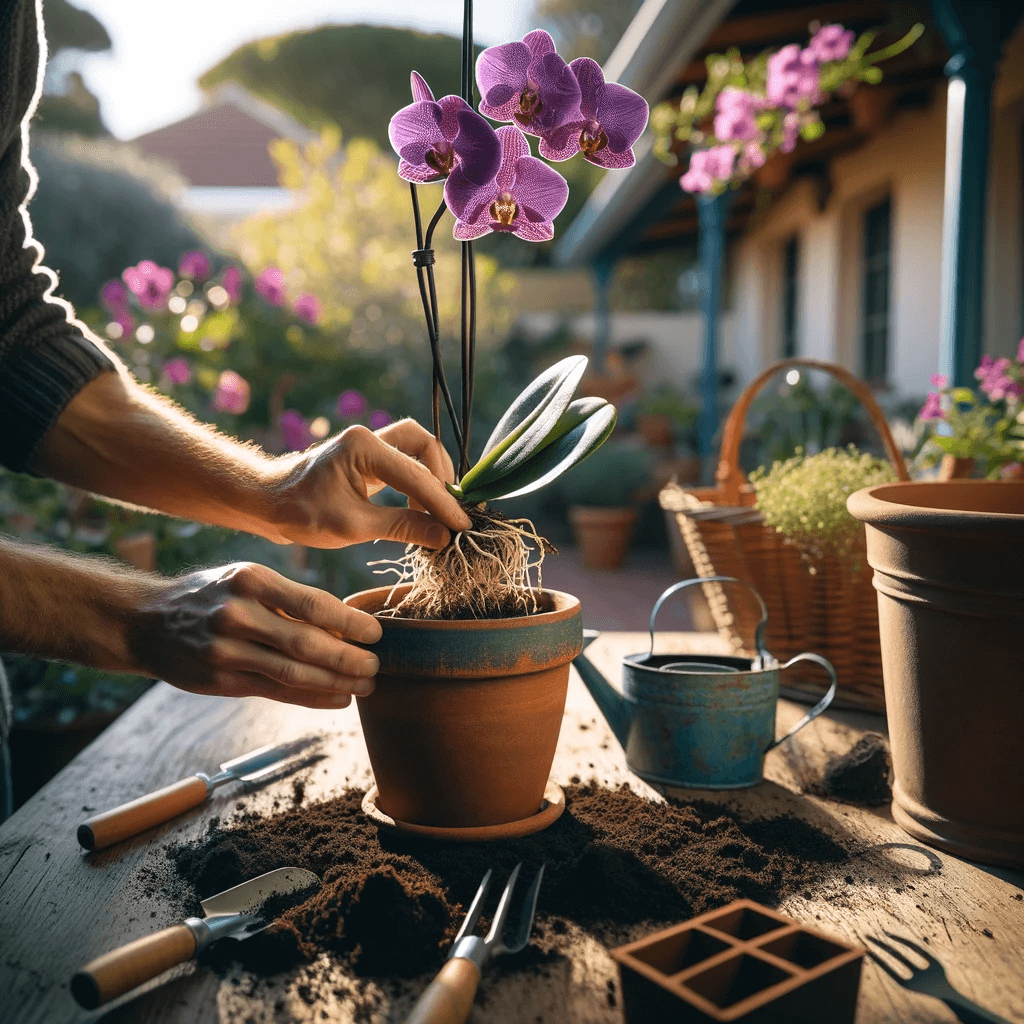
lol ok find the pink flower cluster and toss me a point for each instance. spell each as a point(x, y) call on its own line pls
point(792, 86)
point(995, 380)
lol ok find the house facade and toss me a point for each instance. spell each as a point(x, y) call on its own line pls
point(843, 261)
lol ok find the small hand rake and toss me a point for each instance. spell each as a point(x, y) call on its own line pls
point(450, 996)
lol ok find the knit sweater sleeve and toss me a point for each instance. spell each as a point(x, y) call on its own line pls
point(46, 356)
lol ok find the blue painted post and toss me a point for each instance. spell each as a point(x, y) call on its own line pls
point(602, 268)
point(972, 32)
point(712, 211)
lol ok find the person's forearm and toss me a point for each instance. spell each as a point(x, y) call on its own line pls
point(121, 441)
point(66, 607)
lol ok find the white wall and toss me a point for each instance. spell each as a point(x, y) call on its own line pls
point(906, 162)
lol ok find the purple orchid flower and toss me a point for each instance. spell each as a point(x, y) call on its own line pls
point(149, 283)
point(792, 77)
point(530, 84)
point(433, 138)
point(114, 296)
point(831, 42)
point(1020, 351)
point(612, 118)
point(380, 419)
point(270, 284)
point(524, 198)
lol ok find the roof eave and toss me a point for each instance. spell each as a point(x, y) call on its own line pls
point(661, 39)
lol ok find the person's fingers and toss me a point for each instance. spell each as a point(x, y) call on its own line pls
point(376, 458)
point(307, 604)
point(229, 655)
point(251, 684)
point(415, 440)
point(249, 620)
point(405, 525)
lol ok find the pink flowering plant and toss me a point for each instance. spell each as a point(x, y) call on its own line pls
point(492, 182)
point(749, 111)
point(231, 347)
point(986, 424)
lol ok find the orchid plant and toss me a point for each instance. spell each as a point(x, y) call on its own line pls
point(493, 183)
point(988, 426)
point(748, 112)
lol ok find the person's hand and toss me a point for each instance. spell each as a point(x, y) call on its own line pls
point(243, 630)
point(324, 499)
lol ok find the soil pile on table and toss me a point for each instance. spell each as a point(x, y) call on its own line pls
point(391, 905)
point(861, 775)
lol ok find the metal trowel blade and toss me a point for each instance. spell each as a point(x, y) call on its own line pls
point(245, 902)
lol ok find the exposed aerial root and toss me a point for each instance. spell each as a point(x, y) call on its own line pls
point(483, 573)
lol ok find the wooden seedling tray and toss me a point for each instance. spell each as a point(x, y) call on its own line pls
point(743, 962)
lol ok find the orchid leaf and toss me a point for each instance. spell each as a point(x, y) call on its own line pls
point(528, 421)
point(552, 460)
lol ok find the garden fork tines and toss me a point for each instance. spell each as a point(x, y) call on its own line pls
point(930, 980)
point(450, 995)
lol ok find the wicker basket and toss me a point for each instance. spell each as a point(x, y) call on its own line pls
point(832, 611)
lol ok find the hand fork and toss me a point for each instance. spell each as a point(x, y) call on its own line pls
point(931, 981)
point(450, 995)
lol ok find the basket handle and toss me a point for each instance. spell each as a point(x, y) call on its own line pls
point(731, 478)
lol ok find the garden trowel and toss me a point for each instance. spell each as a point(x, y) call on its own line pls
point(235, 913)
point(103, 830)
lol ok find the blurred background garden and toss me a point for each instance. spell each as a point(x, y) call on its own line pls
point(220, 201)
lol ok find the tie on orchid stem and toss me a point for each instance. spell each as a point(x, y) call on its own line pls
point(492, 182)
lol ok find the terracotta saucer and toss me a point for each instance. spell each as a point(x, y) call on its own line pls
point(549, 813)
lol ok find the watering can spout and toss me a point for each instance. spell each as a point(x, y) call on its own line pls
point(618, 712)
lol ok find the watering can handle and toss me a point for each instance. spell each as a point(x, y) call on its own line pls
point(763, 656)
point(820, 706)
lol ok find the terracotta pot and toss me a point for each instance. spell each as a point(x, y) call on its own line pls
point(953, 467)
point(462, 727)
point(775, 171)
point(602, 534)
point(947, 562)
point(869, 107)
point(656, 429)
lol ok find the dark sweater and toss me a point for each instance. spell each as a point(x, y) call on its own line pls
point(45, 358)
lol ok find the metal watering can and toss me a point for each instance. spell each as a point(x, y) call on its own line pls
point(697, 720)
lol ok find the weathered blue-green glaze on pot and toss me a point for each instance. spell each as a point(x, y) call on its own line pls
point(696, 720)
point(475, 648)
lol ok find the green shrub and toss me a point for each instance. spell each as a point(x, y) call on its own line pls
point(611, 477)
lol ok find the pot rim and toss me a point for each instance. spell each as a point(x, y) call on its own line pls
point(566, 607)
point(879, 506)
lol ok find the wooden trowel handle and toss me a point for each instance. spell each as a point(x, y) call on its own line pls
point(449, 998)
point(121, 970)
point(130, 819)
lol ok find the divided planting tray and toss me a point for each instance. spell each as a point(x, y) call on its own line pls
point(743, 962)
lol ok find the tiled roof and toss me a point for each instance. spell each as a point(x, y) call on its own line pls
point(224, 143)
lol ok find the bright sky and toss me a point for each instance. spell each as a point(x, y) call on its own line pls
point(161, 49)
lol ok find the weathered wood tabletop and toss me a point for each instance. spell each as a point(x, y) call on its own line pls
point(60, 907)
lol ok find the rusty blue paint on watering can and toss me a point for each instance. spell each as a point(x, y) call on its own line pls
point(697, 720)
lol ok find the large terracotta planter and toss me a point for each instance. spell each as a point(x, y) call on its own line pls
point(602, 534)
point(949, 571)
point(462, 726)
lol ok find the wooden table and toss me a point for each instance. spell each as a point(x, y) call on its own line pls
point(60, 907)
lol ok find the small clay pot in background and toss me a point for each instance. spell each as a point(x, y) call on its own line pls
point(602, 534)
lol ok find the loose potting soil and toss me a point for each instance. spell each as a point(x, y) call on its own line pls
point(391, 905)
point(861, 775)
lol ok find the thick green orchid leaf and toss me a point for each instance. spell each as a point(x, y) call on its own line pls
point(552, 460)
point(529, 419)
